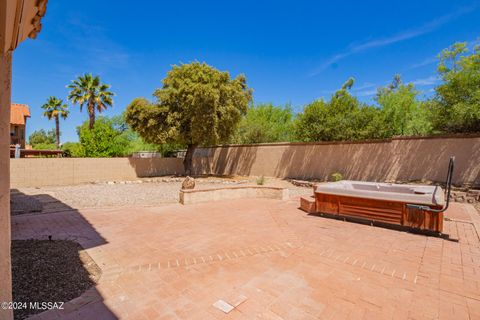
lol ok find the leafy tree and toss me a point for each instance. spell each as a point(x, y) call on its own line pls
point(73, 149)
point(402, 112)
point(265, 123)
point(54, 109)
point(102, 140)
point(311, 124)
point(41, 136)
point(197, 105)
point(456, 105)
point(341, 118)
point(110, 137)
point(88, 90)
point(44, 146)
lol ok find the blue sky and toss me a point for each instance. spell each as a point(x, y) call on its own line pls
point(290, 51)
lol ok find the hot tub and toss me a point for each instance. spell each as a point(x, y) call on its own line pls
point(382, 202)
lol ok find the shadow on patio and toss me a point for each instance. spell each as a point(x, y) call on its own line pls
point(58, 258)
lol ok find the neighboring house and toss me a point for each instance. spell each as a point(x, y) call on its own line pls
point(18, 122)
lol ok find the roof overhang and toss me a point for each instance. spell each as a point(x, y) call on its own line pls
point(19, 20)
point(19, 113)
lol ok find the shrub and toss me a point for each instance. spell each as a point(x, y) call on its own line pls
point(337, 176)
point(261, 180)
point(265, 123)
point(42, 137)
point(44, 146)
point(73, 149)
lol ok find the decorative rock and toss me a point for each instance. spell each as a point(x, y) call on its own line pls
point(302, 183)
point(188, 183)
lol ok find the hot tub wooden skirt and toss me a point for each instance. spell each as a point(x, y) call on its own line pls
point(384, 211)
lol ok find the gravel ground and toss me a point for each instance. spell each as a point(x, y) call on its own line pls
point(151, 192)
point(49, 271)
point(21, 203)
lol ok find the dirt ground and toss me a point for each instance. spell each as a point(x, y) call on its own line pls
point(146, 192)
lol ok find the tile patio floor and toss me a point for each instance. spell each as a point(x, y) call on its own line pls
point(267, 259)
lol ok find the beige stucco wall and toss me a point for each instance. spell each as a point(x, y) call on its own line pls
point(19, 19)
point(34, 172)
point(389, 160)
point(5, 269)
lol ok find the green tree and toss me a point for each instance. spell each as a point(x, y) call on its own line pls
point(311, 124)
point(265, 123)
point(402, 112)
point(456, 105)
point(73, 149)
point(88, 90)
point(110, 137)
point(42, 140)
point(105, 139)
point(197, 105)
point(341, 118)
point(54, 109)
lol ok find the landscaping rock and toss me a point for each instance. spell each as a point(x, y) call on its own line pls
point(188, 183)
point(470, 199)
point(302, 183)
point(50, 270)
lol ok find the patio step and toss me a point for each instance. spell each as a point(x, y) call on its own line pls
point(307, 204)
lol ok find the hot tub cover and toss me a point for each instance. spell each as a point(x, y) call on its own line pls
point(412, 193)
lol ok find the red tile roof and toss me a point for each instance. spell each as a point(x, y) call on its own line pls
point(18, 113)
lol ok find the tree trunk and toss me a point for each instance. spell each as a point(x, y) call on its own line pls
point(57, 131)
point(187, 162)
point(92, 119)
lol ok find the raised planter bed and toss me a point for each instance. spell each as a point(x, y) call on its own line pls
point(234, 192)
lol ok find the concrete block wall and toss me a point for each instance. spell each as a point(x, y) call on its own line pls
point(398, 159)
point(401, 159)
point(36, 172)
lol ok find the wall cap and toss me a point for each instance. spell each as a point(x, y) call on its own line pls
point(366, 141)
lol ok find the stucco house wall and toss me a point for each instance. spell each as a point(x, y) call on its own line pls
point(19, 19)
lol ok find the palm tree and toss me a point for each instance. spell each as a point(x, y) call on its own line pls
point(88, 90)
point(55, 108)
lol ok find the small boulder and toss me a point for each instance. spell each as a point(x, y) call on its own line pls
point(188, 183)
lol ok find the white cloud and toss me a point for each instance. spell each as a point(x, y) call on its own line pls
point(424, 63)
point(366, 85)
point(366, 93)
point(402, 36)
point(93, 44)
point(428, 81)
point(434, 59)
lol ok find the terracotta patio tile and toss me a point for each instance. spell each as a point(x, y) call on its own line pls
point(287, 264)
